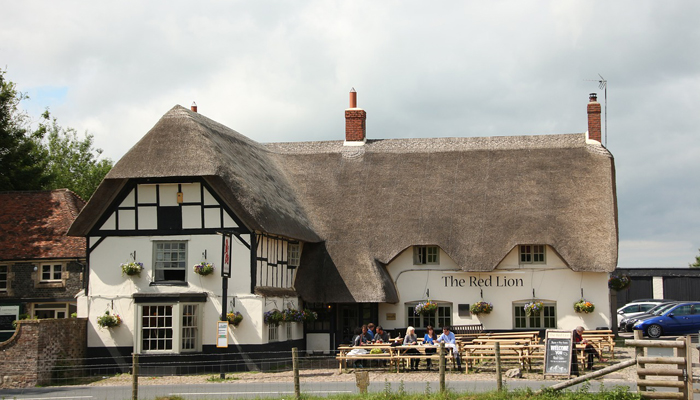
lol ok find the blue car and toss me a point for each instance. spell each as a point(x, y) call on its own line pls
point(681, 319)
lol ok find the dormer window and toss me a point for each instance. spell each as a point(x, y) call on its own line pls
point(532, 254)
point(423, 255)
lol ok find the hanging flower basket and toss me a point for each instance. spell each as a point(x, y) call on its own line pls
point(583, 306)
point(481, 307)
point(234, 318)
point(533, 309)
point(426, 308)
point(618, 283)
point(273, 317)
point(109, 321)
point(203, 268)
point(132, 268)
point(292, 315)
point(309, 316)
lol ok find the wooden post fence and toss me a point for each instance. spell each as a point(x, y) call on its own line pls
point(681, 360)
point(295, 367)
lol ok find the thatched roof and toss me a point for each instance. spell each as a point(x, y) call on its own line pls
point(476, 198)
point(359, 207)
point(187, 144)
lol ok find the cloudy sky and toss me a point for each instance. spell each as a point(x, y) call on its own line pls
point(281, 71)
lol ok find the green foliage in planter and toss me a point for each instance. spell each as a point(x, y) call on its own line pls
point(108, 320)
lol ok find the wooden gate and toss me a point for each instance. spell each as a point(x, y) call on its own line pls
point(663, 372)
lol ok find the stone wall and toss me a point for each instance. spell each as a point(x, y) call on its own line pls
point(37, 350)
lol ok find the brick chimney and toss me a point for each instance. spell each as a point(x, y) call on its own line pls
point(355, 127)
point(594, 118)
point(193, 107)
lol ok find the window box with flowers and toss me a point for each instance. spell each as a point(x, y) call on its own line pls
point(234, 318)
point(108, 320)
point(533, 308)
point(481, 307)
point(203, 269)
point(583, 306)
point(132, 268)
point(618, 283)
point(309, 316)
point(292, 315)
point(273, 317)
point(426, 308)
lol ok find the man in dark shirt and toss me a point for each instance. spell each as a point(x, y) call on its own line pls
point(589, 352)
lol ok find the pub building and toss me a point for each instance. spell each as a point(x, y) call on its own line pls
point(359, 230)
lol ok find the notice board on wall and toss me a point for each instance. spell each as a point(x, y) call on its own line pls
point(557, 352)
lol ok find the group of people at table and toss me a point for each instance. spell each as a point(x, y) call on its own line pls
point(367, 335)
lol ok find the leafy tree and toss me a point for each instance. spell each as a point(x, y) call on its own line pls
point(22, 156)
point(696, 264)
point(49, 157)
point(73, 163)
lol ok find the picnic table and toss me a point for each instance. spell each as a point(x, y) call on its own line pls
point(404, 354)
point(346, 354)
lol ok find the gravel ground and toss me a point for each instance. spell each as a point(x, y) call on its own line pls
point(331, 374)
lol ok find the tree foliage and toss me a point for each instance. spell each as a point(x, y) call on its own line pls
point(23, 158)
point(45, 158)
point(696, 264)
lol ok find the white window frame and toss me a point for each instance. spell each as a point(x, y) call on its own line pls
point(289, 330)
point(546, 320)
point(158, 264)
point(273, 333)
point(53, 269)
point(293, 254)
point(442, 317)
point(4, 281)
point(426, 255)
point(532, 254)
point(178, 328)
point(57, 308)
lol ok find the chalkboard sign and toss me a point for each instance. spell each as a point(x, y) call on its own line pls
point(557, 352)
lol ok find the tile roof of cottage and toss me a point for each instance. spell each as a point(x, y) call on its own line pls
point(358, 207)
point(34, 225)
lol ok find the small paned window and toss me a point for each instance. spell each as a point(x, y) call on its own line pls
point(273, 333)
point(546, 319)
point(426, 255)
point(157, 328)
point(532, 254)
point(170, 261)
point(294, 254)
point(442, 317)
point(189, 327)
point(3, 278)
point(51, 272)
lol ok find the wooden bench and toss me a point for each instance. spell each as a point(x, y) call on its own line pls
point(532, 336)
point(602, 340)
point(467, 332)
point(343, 354)
point(473, 353)
point(401, 354)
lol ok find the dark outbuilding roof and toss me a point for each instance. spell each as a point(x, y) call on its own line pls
point(358, 207)
point(33, 225)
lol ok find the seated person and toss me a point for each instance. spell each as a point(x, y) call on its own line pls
point(450, 342)
point(370, 329)
point(381, 336)
point(589, 352)
point(367, 336)
point(429, 339)
point(412, 340)
point(359, 338)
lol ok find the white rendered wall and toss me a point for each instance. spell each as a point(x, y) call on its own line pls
point(508, 283)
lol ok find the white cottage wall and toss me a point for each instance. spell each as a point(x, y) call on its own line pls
point(509, 283)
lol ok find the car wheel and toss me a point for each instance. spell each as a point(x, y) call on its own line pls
point(654, 331)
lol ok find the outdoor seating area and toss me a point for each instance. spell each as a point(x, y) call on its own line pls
point(393, 357)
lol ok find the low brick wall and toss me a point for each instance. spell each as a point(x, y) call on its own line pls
point(31, 355)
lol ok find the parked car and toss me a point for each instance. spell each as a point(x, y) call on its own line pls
point(626, 324)
point(638, 306)
point(679, 319)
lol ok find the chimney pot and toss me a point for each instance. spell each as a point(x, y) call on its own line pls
point(355, 119)
point(193, 107)
point(594, 131)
